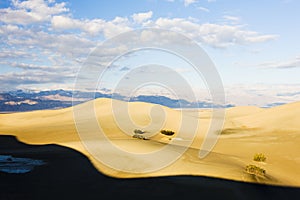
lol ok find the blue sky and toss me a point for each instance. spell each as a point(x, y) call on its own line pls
point(254, 44)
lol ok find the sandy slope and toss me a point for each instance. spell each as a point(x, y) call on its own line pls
point(285, 118)
point(247, 130)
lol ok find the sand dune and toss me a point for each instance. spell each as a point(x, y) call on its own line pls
point(285, 118)
point(241, 111)
point(247, 130)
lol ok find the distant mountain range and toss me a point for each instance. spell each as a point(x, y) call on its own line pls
point(19, 100)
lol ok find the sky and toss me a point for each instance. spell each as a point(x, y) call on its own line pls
point(254, 45)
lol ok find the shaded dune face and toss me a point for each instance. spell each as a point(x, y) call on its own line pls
point(247, 130)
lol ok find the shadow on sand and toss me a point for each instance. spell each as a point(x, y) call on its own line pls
point(67, 174)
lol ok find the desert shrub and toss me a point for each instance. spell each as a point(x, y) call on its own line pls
point(138, 131)
point(259, 157)
point(167, 132)
point(138, 136)
point(253, 169)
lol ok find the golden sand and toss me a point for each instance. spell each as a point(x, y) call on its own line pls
point(275, 132)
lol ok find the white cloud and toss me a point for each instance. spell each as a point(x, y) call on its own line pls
point(92, 27)
point(213, 34)
point(13, 54)
point(141, 17)
point(37, 67)
point(231, 18)
point(292, 63)
point(203, 9)
point(69, 45)
point(31, 11)
point(24, 65)
point(189, 2)
point(41, 7)
point(64, 22)
point(37, 31)
point(14, 79)
point(115, 27)
point(261, 94)
point(7, 30)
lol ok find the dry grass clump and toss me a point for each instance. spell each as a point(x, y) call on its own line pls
point(259, 157)
point(255, 170)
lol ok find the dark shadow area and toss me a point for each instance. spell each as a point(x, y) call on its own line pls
point(67, 174)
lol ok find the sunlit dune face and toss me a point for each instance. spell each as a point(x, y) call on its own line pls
point(246, 131)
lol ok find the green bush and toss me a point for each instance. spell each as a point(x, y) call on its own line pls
point(138, 136)
point(253, 169)
point(259, 157)
point(138, 131)
point(167, 132)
